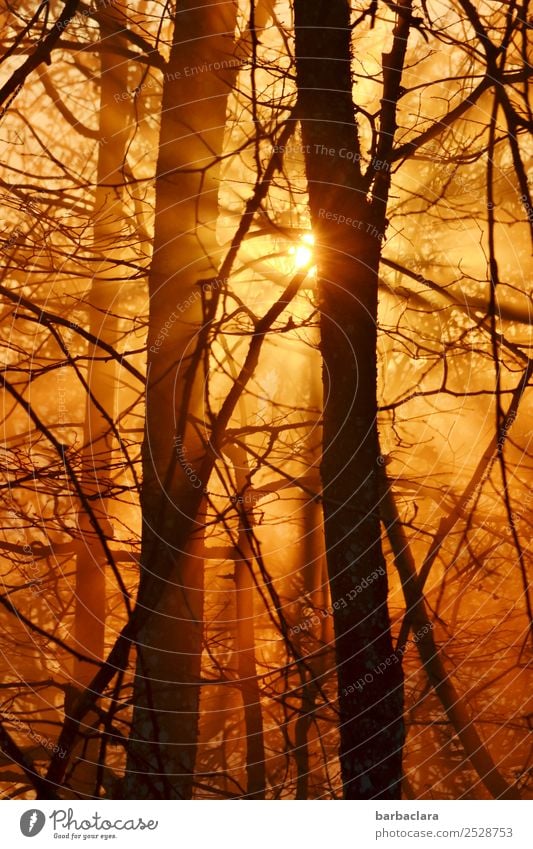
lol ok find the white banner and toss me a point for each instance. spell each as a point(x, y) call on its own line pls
point(273, 825)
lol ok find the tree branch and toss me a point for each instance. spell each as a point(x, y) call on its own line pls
point(41, 53)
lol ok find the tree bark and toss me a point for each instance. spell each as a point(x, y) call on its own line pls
point(245, 632)
point(314, 671)
point(371, 720)
point(200, 72)
point(102, 306)
point(454, 704)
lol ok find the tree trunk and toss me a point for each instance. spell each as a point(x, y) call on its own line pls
point(314, 671)
point(91, 562)
point(251, 697)
point(453, 703)
point(245, 633)
point(371, 720)
point(162, 747)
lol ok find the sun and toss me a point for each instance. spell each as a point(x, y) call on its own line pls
point(302, 254)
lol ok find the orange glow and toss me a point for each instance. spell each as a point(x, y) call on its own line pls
point(302, 253)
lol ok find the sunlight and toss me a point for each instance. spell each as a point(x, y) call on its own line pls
point(302, 254)
point(264, 494)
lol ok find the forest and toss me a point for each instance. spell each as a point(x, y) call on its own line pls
point(266, 357)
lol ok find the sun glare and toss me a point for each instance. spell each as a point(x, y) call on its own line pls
point(302, 253)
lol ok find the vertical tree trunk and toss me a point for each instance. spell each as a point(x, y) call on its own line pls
point(201, 69)
point(315, 668)
point(251, 697)
point(371, 721)
point(90, 602)
point(245, 592)
point(103, 324)
point(315, 582)
point(453, 703)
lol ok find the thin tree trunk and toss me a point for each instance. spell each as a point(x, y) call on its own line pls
point(251, 696)
point(314, 669)
point(246, 658)
point(91, 562)
point(102, 307)
point(315, 582)
point(454, 704)
point(371, 719)
point(245, 628)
